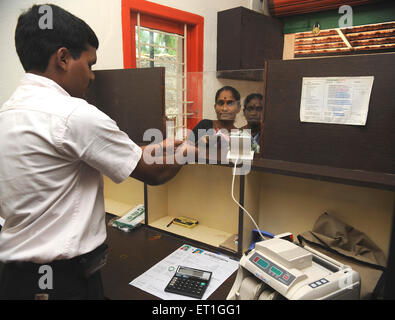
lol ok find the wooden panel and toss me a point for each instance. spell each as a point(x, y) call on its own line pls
point(134, 98)
point(245, 40)
point(228, 39)
point(369, 147)
point(369, 179)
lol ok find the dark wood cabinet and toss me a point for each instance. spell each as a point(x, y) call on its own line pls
point(245, 40)
point(367, 149)
point(134, 98)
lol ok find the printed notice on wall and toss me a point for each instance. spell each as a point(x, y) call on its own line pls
point(337, 100)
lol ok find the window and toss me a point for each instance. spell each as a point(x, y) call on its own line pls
point(155, 48)
point(160, 36)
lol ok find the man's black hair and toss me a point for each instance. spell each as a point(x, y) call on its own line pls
point(250, 97)
point(35, 45)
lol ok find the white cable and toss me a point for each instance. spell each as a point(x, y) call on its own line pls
point(233, 183)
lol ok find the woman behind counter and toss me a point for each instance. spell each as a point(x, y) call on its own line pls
point(227, 106)
point(253, 112)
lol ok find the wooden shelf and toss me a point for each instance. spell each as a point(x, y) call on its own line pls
point(361, 178)
point(117, 208)
point(249, 75)
point(346, 176)
point(210, 236)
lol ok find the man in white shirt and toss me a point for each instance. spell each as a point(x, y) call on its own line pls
point(54, 149)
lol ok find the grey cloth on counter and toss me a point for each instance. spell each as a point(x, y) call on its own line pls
point(351, 247)
point(330, 232)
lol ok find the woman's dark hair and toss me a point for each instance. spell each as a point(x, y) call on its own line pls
point(35, 44)
point(250, 97)
point(235, 93)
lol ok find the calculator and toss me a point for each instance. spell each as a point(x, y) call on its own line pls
point(189, 282)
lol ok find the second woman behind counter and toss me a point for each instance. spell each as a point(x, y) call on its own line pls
point(227, 106)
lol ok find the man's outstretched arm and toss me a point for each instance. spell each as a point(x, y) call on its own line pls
point(160, 171)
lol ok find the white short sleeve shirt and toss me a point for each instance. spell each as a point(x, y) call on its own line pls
point(54, 149)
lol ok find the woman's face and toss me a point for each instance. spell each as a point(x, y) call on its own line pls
point(254, 111)
point(226, 106)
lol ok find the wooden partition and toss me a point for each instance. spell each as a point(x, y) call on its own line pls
point(134, 98)
point(348, 149)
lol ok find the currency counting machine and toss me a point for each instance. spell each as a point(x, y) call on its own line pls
point(279, 269)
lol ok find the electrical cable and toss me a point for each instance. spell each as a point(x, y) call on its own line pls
point(233, 183)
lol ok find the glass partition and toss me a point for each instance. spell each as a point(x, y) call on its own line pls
point(215, 103)
point(213, 110)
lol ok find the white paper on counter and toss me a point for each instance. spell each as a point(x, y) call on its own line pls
point(156, 278)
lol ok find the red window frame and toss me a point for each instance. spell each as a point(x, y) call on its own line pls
point(171, 20)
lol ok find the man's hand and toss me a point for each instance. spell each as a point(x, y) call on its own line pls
point(153, 167)
point(187, 149)
point(166, 147)
point(170, 145)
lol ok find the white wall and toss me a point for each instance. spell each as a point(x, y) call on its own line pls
point(207, 9)
point(104, 17)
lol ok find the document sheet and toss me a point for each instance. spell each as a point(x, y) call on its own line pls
point(337, 100)
point(156, 278)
